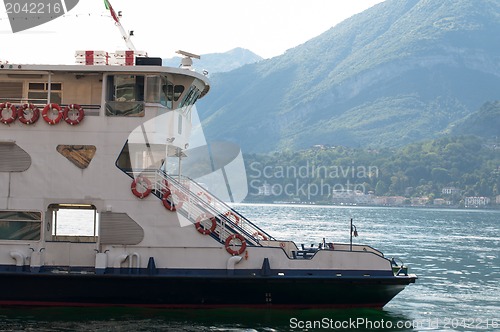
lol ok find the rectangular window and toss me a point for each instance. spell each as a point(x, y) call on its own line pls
point(74, 222)
point(179, 125)
point(20, 225)
point(125, 95)
point(153, 89)
point(38, 93)
point(11, 91)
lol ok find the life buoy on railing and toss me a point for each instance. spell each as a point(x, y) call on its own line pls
point(172, 200)
point(232, 251)
point(26, 109)
point(167, 200)
point(259, 236)
point(13, 113)
point(202, 229)
point(141, 182)
point(49, 110)
point(207, 198)
point(69, 114)
point(233, 217)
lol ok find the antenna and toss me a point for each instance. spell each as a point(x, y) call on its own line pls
point(187, 60)
point(126, 36)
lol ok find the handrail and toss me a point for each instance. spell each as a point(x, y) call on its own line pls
point(197, 200)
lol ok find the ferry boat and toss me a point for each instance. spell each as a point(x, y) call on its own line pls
point(109, 142)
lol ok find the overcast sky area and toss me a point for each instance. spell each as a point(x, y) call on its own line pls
point(265, 27)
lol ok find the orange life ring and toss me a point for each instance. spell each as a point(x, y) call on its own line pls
point(168, 200)
point(202, 230)
point(230, 250)
point(143, 182)
point(76, 109)
point(166, 203)
point(258, 234)
point(28, 108)
point(13, 113)
point(233, 217)
point(207, 196)
point(48, 109)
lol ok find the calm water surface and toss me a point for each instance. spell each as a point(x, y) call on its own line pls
point(455, 253)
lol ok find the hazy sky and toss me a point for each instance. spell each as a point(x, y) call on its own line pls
point(266, 27)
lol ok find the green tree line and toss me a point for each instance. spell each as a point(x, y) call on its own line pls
point(468, 163)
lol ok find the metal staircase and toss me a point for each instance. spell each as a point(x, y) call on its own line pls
point(210, 215)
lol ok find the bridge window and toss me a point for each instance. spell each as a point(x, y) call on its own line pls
point(191, 97)
point(162, 91)
point(125, 95)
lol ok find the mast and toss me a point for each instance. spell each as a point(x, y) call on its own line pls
point(126, 36)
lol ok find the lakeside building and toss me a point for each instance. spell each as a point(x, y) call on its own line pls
point(450, 191)
point(389, 200)
point(265, 190)
point(351, 197)
point(474, 201)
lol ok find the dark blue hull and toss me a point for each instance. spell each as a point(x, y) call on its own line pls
point(77, 289)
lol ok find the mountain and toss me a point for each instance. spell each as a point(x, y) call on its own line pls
point(399, 72)
point(219, 62)
point(484, 123)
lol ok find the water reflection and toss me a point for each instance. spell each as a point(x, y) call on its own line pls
point(134, 319)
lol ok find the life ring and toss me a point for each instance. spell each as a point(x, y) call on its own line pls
point(143, 182)
point(75, 109)
point(169, 202)
point(207, 199)
point(203, 230)
point(259, 236)
point(49, 109)
point(166, 203)
point(28, 108)
point(233, 217)
point(13, 113)
point(230, 250)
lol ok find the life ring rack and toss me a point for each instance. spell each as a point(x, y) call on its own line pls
point(13, 114)
point(232, 251)
point(203, 230)
point(21, 113)
point(141, 181)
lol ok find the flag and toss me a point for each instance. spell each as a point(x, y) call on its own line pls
point(111, 10)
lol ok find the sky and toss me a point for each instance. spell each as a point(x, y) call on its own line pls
point(161, 27)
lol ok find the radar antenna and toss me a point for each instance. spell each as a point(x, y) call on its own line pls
point(187, 60)
point(126, 36)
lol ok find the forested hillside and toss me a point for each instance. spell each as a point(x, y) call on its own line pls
point(400, 72)
point(467, 163)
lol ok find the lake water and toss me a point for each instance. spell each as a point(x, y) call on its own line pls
point(455, 254)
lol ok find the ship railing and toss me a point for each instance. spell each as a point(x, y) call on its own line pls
point(90, 109)
point(196, 203)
